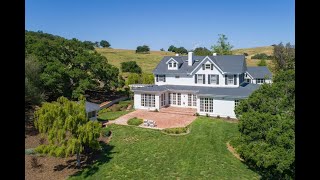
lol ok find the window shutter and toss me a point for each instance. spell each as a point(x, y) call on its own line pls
point(208, 78)
point(226, 79)
point(164, 78)
point(203, 67)
point(157, 78)
point(235, 79)
point(195, 78)
point(204, 78)
point(211, 66)
point(217, 79)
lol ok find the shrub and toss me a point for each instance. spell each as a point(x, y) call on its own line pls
point(143, 49)
point(197, 114)
point(42, 140)
point(245, 54)
point(104, 110)
point(29, 151)
point(261, 56)
point(228, 117)
point(262, 63)
point(218, 116)
point(135, 121)
point(156, 110)
point(207, 115)
point(131, 66)
point(106, 132)
point(176, 130)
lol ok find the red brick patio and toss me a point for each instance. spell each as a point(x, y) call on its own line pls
point(167, 117)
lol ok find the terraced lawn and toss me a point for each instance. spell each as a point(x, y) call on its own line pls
point(139, 153)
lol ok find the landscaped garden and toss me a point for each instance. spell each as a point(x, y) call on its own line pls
point(116, 110)
point(139, 153)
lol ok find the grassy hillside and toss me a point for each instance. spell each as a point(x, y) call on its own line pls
point(149, 61)
point(146, 61)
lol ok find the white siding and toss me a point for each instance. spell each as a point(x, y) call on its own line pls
point(190, 80)
point(223, 108)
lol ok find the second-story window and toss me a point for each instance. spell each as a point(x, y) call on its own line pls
point(214, 79)
point(170, 64)
point(230, 79)
point(174, 64)
point(162, 78)
point(200, 79)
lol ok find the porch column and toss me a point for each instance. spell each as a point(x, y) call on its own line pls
point(157, 101)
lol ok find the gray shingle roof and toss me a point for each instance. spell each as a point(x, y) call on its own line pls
point(259, 72)
point(92, 107)
point(241, 92)
point(233, 64)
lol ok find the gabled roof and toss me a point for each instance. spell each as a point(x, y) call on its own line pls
point(243, 91)
point(92, 107)
point(259, 72)
point(233, 64)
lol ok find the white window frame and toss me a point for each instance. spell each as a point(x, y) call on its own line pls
point(230, 80)
point(161, 78)
point(206, 105)
point(213, 77)
point(174, 98)
point(260, 81)
point(148, 100)
point(199, 81)
point(179, 99)
point(236, 102)
point(170, 64)
point(206, 66)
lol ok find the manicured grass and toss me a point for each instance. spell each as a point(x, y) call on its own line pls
point(112, 115)
point(140, 153)
point(135, 121)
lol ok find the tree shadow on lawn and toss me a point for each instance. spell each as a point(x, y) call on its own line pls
point(93, 160)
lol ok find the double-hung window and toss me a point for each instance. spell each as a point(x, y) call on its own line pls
point(213, 79)
point(200, 79)
point(230, 79)
point(161, 77)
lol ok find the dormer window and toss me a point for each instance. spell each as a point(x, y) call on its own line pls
point(208, 66)
point(172, 64)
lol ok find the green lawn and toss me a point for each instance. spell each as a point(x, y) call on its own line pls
point(112, 115)
point(138, 153)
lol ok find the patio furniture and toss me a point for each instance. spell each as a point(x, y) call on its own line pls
point(145, 122)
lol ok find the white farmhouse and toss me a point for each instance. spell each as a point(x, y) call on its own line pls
point(211, 84)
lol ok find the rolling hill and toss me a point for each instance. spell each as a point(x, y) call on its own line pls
point(149, 61)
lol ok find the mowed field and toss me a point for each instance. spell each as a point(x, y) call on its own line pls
point(149, 61)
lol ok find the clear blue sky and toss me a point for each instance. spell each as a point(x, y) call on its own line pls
point(127, 24)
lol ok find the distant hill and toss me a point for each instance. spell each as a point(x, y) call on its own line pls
point(149, 61)
point(146, 61)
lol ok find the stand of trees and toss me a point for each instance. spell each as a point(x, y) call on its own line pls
point(131, 66)
point(64, 67)
point(144, 78)
point(202, 51)
point(143, 49)
point(267, 121)
point(180, 50)
point(105, 44)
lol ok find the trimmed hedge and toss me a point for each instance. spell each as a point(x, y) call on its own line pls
point(135, 121)
point(178, 130)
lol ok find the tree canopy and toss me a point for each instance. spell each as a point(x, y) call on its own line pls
point(144, 78)
point(171, 48)
point(284, 57)
point(68, 67)
point(143, 49)
point(67, 128)
point(202, 51)
point(131, 66)
point(222, 47)
point(267, 125)
point(262, 62)
point(104, 43)
point(181, 50)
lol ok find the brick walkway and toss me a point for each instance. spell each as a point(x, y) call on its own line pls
point(167, 117)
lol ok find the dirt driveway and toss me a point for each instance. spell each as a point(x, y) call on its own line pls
point(167, 117)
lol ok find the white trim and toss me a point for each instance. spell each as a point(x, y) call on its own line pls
point(249, 75)
point(173, 60)
point(200, 63)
